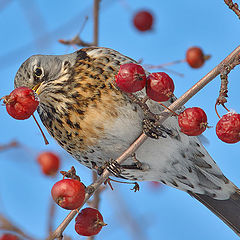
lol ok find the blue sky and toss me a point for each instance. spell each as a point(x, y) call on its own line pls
point(165, 213)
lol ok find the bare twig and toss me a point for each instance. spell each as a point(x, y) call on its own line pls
point(151, 66)
point(51, 216)
point(12, 144)
point(140, 140)
point(224, 80)
point(75, 41)
point(96, 22)
point(163, 67)
point(96, 198)
point(4, 4)
point(233, 6)
point(124, 214)
point(5, 224)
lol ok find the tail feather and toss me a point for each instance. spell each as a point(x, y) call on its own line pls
point(227, 210)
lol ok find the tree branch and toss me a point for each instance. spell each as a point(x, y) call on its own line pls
point(140, 140)
point(233, 6)
point(96, 22)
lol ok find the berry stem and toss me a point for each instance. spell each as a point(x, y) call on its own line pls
point(168, 109)
point(150, 66)
point(44, 137)
point(216, 110)
point(225, 107)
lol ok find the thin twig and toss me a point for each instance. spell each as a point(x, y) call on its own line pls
point(233, 6)
point(5, 224)
point(51, 216)
point(140, 140)
point(222, 98)
point(9, 145)
point(124, 214)
point(96, 198)
point(96, 22)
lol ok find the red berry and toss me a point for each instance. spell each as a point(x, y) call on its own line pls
point(49, 163)
point(228, 128)
point(159, 87)
point(21, 103)
point(155, 184)
point(8, 236)
point(68, 193)
point(195, 57)
point(143, 21)
point(193, 121)
point(131, 78)
point(89, 222)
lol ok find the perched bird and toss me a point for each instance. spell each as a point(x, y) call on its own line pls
point(94, 122)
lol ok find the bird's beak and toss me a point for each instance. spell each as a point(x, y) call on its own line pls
point(36, 88)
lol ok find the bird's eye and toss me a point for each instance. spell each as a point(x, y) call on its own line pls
point(38, 72)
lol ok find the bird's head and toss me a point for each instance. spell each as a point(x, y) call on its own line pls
point(39, 69)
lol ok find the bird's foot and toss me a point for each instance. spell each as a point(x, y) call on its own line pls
point(153, 130)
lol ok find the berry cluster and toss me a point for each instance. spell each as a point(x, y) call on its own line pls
point(159, 87)
point(70, 194)
point(132, 78)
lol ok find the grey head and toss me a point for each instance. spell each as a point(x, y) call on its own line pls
point(41, 68)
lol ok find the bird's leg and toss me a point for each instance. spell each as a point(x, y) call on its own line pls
point(142, 104)
point(136, 166)
point(151, 129)
point(112, 166)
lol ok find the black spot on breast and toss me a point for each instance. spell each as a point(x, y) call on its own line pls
point(174, 183)
point(76, 125)
point(60, 91)
point(181, 177)
point(75, 95)
point(59, 121)
point(50, 116)
point(69, 123)
point(111, 68)
point(80, 111)
point(77, 85)
point(50, 123)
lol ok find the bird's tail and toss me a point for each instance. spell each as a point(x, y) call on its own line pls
point(227, 210)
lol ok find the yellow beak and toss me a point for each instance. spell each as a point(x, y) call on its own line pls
point(36, 88)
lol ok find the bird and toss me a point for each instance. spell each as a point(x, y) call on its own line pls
point(85, 112)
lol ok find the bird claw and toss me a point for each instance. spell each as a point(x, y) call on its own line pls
point(113, 167)
point(152, 130)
